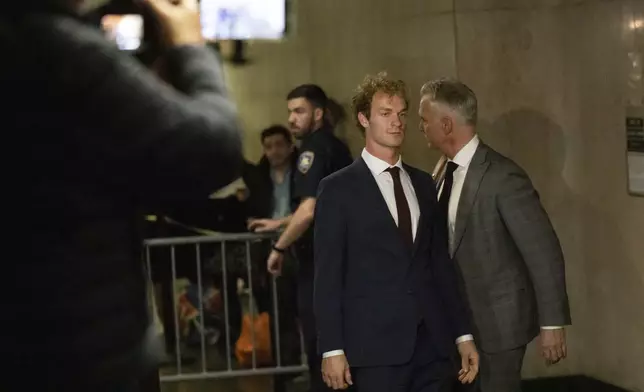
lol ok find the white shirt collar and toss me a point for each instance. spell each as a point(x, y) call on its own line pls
point(377, 165)
point(464, 157)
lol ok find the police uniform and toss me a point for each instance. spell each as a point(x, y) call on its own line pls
point(322, 153)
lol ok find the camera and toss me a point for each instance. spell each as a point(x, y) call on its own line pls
point(134, 28)
point(129, 25)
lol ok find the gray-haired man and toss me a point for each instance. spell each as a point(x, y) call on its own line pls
point(501, 239)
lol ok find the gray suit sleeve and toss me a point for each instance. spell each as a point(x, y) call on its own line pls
point(170, 141)
point(534, 236)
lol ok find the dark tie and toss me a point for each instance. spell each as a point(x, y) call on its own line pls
point(404, 216)
point(448, 181)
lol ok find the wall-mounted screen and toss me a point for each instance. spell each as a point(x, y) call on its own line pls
point(243, 19)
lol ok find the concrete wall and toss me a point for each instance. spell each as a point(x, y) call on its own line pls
point(552, 78)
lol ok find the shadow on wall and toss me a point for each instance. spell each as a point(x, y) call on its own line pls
point(339, 118)
point(538, 145)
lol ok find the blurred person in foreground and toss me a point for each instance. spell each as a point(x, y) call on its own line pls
point(389, 314)
point(100, 139)
point(507, 253)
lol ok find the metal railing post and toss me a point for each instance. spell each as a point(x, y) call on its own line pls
point(182, 370)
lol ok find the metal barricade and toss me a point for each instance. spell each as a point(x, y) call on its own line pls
point(221, 244)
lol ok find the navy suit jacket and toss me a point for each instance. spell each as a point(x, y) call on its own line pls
point(371, 290)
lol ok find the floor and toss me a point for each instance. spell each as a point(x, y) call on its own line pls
point(248, 384)
point(226, 384)
point(232, 384)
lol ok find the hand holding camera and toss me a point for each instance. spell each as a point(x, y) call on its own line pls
point(179, 21)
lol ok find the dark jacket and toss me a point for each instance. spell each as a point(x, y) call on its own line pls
point(508, 254)
point(97, 140)
point(371, 289)
point(261, 201)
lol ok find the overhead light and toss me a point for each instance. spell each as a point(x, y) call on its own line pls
point(636, 24)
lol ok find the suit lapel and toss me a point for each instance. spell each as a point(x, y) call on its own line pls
point(373, 195)
point(475, 174)
point(420, 195)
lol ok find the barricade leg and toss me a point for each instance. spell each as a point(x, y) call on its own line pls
point(285, 332)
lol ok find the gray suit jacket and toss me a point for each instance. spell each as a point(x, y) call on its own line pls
point(508, 254)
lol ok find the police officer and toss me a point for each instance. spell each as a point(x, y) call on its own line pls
point(321, 153)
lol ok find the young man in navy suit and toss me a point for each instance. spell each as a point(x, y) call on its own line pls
point(387, 307)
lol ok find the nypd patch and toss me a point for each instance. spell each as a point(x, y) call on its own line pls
point(305, 161)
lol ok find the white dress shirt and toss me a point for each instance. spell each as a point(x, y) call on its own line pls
point(385, 182)
point(463, 159)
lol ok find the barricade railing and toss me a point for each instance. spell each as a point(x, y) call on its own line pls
point(220, 270)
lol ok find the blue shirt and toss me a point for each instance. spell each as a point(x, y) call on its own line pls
point(281, 196)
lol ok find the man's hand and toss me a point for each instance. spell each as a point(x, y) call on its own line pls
point(274, 263)
point(179, 20)
point(469, 362)
point(336, 373)
point(553, 345)
point(264, 225)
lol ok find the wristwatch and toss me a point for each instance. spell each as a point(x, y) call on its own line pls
point(278, 250)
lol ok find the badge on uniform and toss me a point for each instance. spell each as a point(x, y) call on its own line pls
point(305, 161)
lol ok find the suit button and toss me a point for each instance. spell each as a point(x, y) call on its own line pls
point(410, 292)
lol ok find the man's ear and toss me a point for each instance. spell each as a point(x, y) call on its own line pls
point(447, 124)
point(364, 121)
point(318, 114)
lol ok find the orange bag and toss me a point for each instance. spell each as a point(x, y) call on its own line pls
point(244, 345)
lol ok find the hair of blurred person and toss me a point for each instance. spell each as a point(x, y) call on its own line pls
point(277, 144)
point(306, 108)
point(380, 108)
point(448, 114)
point(335, 113)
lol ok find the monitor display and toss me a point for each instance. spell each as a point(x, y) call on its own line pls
point(243, 19)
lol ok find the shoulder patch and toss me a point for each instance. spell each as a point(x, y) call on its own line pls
point(305, 161)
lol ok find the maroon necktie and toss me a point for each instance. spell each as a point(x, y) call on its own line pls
point(404, 215)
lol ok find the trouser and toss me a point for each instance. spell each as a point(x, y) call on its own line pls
point(307, 320)
point(499, 372)
point(289, 335)
point(425, 372)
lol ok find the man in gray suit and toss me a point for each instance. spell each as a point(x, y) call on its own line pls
point(501, 239)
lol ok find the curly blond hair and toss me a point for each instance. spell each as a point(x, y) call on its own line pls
point(372, 84)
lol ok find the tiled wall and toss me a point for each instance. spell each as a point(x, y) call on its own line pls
point(553, 78)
